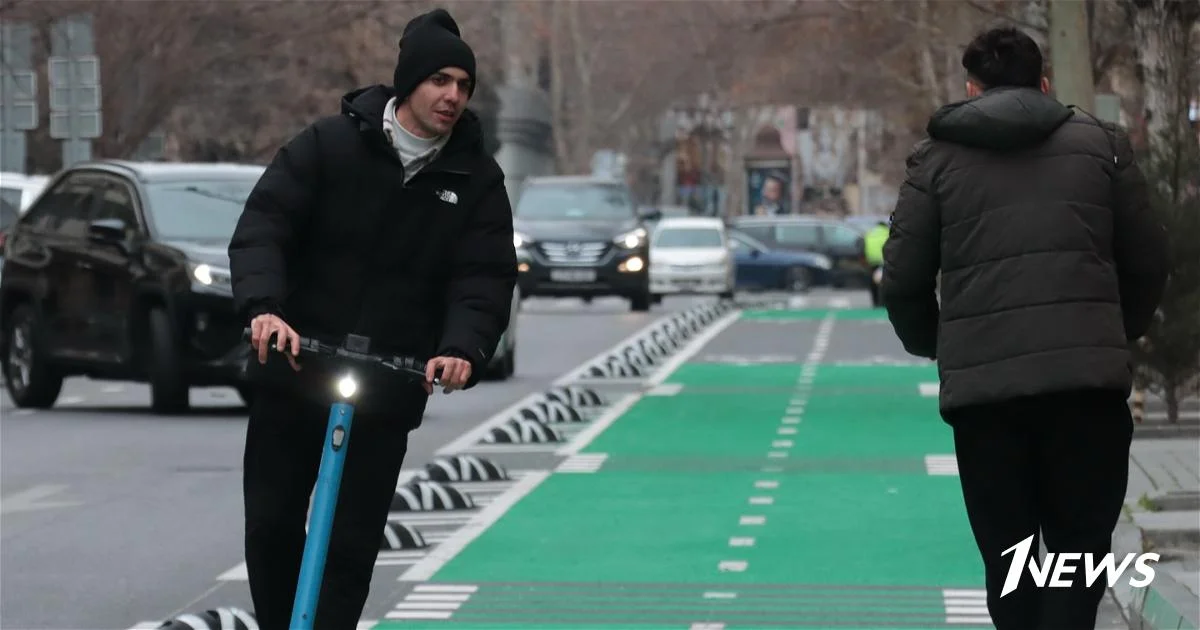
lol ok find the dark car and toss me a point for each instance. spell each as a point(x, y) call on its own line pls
point(120, 271)
point(762, 268)
point(843, 244)
point(582, 237)
point(865, 222)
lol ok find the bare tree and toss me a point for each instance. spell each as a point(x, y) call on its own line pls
point(1166, 55)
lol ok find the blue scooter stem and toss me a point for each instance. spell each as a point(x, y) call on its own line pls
point(316, 543)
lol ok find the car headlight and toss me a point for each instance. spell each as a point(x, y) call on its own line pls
point(521, 240)
point(632, 239)
point(208, 276)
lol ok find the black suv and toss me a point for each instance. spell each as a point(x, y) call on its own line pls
point(120, 271)
point(579, 236)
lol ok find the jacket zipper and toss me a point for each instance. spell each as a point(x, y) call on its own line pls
point(404, 185)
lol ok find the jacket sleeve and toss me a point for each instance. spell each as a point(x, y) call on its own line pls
point(911, 258)
point(267, 232)
point(482, 277)
point(1140, 244)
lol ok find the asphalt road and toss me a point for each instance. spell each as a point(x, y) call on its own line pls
point(112, 515)
point(115, 518)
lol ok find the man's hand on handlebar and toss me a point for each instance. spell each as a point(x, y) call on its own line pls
point(455, 373)
point(266, 325)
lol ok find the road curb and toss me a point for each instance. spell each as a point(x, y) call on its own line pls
point(1165, 604)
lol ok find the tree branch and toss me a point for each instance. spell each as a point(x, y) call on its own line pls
point(1021, 22)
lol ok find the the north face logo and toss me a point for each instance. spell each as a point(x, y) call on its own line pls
point(448, 196)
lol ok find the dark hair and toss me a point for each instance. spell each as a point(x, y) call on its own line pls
point(1003, 57)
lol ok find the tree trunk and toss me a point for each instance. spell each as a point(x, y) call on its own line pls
point(1071, 52)
point(1163, 35)
point(558, 108)
point(1171, 397)
point(929, 73)
point(584, 105)
point(1035, 13)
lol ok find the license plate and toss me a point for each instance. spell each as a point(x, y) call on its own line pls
point(573, 275)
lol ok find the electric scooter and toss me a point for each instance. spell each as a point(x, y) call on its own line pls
point(356, 349)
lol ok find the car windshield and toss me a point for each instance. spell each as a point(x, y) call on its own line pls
point(745, 241)
point(688, 237)
point(562, 202)
point(198, 209)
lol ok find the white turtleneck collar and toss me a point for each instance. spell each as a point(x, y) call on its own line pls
point(415, 152)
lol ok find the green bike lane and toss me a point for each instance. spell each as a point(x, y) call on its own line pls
point(811, 494)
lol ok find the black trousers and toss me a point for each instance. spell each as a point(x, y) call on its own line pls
point(284, 440)
point(1055, 467)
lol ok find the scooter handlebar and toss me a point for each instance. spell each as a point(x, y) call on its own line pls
point(409, 366)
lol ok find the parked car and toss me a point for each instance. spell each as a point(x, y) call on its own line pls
point(690, 255)
point(119, 271)
point(761, 268)
point(662, 212)
point(864, 222)
point(843, 244)
point(504, 360)
point(17, 192)
point(582, 236)
point(20, 190)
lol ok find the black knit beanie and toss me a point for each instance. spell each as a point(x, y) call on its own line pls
point(431, 41)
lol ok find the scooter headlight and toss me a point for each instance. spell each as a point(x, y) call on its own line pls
point(347, 386)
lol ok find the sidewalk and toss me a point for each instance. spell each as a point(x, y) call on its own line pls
point(1163, 515)
point(1154, 418)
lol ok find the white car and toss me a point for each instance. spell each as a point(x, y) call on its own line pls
point(691, 255)
point(17, 193)
point(19, 190)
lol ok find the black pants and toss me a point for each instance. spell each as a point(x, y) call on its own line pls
point(284, 440)
point(1056, 463)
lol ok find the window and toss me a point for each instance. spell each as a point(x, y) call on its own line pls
point(801, 235)
point(198, 210)
point(565, 202)
point(841, 236)
point(64, 209)
point(116, 202)
point(688, 237)
point(743, 243)
point(759, 232)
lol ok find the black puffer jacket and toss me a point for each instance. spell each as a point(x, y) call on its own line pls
point(336, 242)
point(1051, 261)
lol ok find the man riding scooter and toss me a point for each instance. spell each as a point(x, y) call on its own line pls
point(388, 221)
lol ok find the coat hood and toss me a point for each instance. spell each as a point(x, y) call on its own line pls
point(1000, 119)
